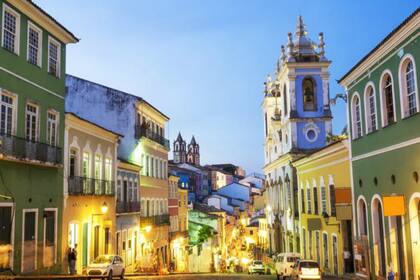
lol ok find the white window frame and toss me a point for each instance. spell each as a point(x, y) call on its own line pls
point(58, 70)
point(39, 47)
point(23, 236)
point(323, 200)
point(14, 107)
point(57, 121)
point(403, 85)
point(89, 168)
point(17, 34)
point(36, 122)
point(384, 115)
point(55, 210)
point(368, 112)
point(354, 133)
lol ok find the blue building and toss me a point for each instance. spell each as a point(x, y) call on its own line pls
point(297, 120)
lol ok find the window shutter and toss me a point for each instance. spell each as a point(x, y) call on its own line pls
point(332, 200)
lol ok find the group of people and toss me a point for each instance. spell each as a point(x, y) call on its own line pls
point(71, 259)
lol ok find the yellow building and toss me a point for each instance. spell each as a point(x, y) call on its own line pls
point(89, 221)
point(325, 207)
point(153, 187)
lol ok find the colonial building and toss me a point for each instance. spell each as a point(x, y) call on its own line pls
point(32, 75)
point(297, 119)
point(384, 120)
point(178, 215)
point(89, 222)
point(144, 144)
point(325, 208)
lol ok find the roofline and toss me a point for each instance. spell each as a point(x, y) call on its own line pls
point(381, 43)
point(95, 124)
point(71, 37)
point(140, 99)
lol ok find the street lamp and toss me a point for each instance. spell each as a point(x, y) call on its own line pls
point(104, 208)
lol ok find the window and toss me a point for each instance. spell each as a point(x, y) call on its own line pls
point(11, 28)
point(31, 122)
point(108, 169)
point(409, 98)
point(34, 44)
point(315, 189)
point(325, 251)
point(387, 98)
point(86, 165)
point(53, 57)
point(356, 118)
point(147, 166)
point(309, 94)
point(370, 109)
point(73, 163)
point(332, 200)
point(152, 167)
point(7, 106)
point(323, 199)
point(308, 198)
point(52, 121)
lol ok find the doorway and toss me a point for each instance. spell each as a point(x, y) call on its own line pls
point(29, 245)
point(414, 213)
point(335, 254)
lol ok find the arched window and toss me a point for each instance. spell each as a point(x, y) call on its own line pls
point(356, 117)
point(309, 94)
point(370, 109)
point(408, 83)
point(285, 100)
point(387, 99)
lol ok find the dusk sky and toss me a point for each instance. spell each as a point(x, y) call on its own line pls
point(203, 62)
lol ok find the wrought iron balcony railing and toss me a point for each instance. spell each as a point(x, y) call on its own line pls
point(90, 186)
point(154, 220)
point(24, 149)
point(128, 206)
point(142, 131)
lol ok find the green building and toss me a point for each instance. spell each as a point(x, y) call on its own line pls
point(32, 88)
point(384, 122)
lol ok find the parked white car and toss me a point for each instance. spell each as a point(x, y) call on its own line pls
point(306, 269)
point(109, 265)
point(256, 267)
point(284, 264)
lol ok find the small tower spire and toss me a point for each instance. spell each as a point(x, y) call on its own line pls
point(290, 47)
point(300, 27)
point(321, 46)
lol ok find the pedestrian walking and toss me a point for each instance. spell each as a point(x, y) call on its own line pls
point(73, 258)
point(69, 250)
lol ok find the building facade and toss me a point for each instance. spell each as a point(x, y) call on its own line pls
point(325, 208)
point(297, 119)
point(144, 144)
point(383, 114)
point(32, 73)
point(89, 222)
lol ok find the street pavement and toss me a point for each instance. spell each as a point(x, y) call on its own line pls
point(216, 276)
point(213, 276)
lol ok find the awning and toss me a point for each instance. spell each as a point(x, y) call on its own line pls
point(393, 205)
point(342, 195)
point(343, 212)
point(314, 224)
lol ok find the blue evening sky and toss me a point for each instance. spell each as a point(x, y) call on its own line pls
point(203, 62)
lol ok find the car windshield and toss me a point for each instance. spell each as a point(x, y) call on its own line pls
point(292, 259)
point(257, 262)
point(308, 264)
point(103, 259)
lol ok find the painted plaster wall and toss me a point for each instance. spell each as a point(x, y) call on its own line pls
point(108, 108)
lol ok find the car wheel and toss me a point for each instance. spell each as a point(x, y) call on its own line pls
point(110, 275)
point(122, 274)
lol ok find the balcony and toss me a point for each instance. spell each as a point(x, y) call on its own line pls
point(142, 131)
point(23, 149)
point(90, 186)
point(128, 207)
point(157, 220)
